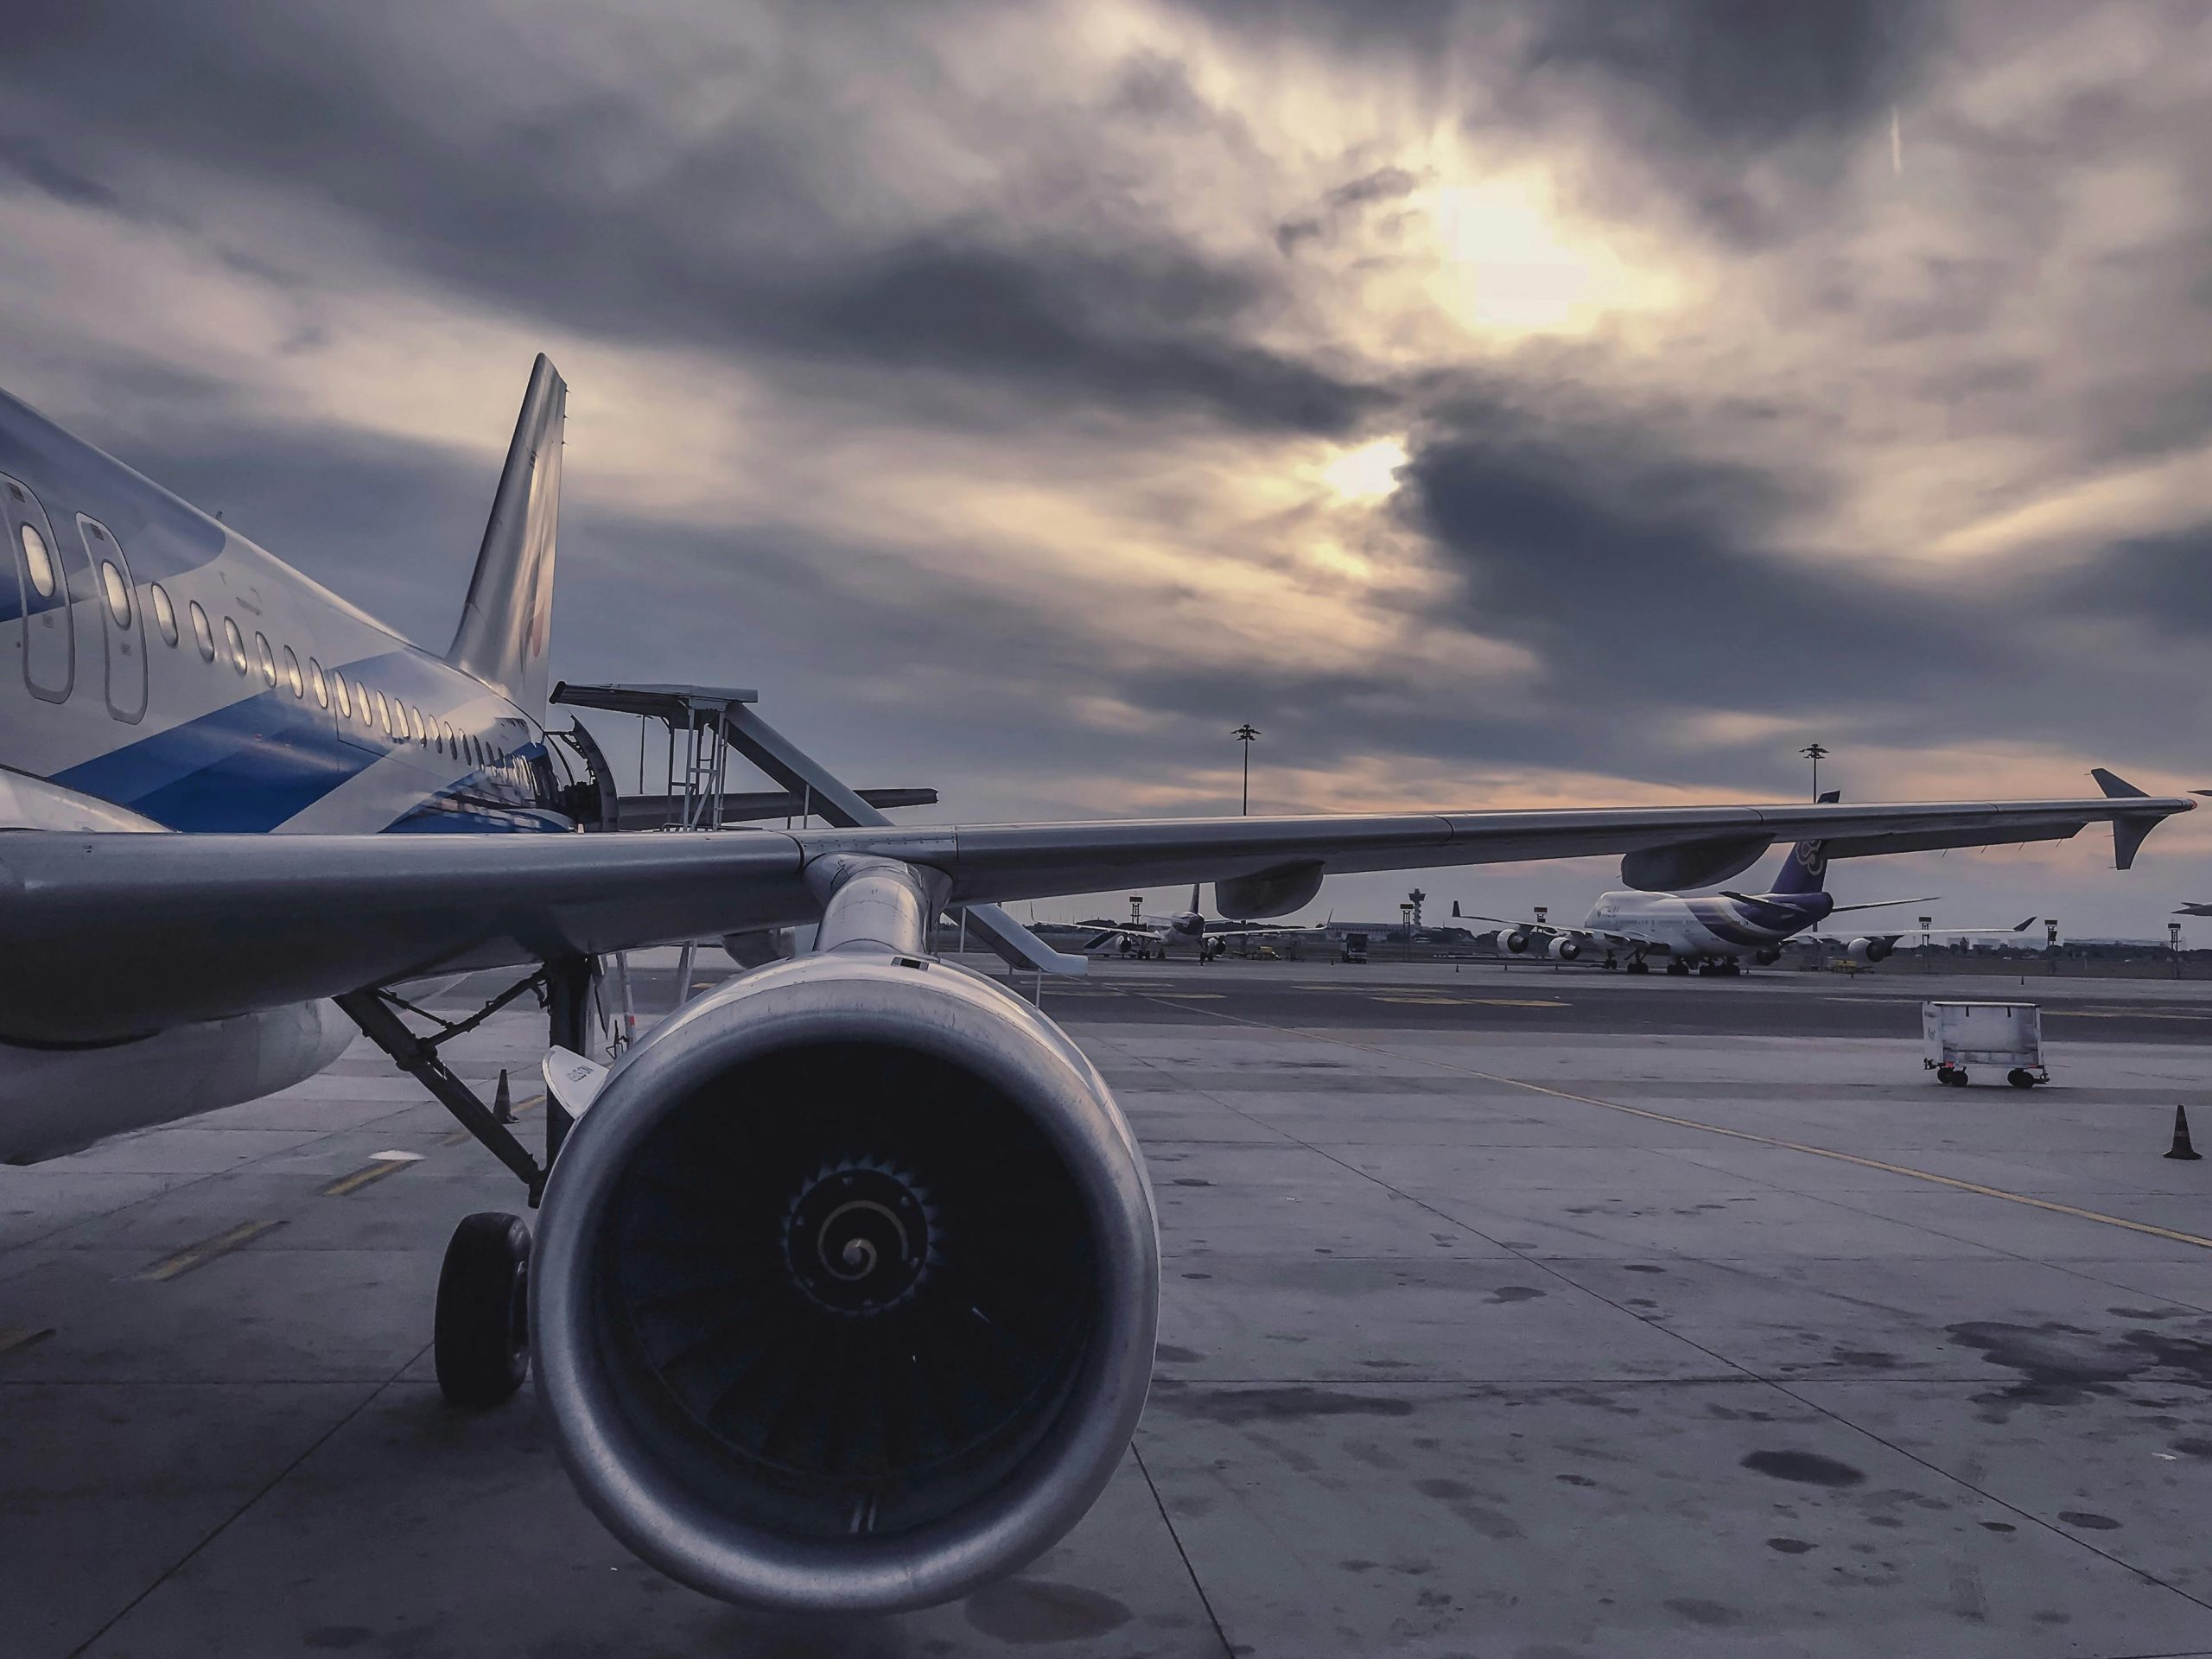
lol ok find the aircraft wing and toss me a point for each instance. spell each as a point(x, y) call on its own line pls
point(1880, 904)
point(108, 936)
point(1117, 929)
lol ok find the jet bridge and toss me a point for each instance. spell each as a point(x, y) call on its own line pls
point(706, 722)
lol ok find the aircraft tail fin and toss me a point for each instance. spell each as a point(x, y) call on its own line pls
point(506, 623)
point(1806, 869)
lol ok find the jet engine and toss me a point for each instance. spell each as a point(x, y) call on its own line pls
point(1767, 957)
point(1869, 950)
point(1518, 940)
point(845, 1287)
point(1565, 949)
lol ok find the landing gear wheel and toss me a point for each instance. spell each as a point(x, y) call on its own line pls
point(1635, 965)
point(2021, 1078)
point(1678, 969)
point(482, 1329)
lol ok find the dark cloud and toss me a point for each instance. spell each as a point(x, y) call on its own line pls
point(1744, 73)
point(1128, 330)
point(527, 197)
point(30, 162)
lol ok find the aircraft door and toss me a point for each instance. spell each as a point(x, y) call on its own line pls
point(124, 628)
point(42, 576)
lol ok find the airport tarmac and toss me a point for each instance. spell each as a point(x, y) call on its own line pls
point(1697, 1321)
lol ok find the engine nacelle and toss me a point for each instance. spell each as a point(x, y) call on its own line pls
point(1869, 950)
point(1767, 957)
point(1518, 940)
point(845, 1288)
point(1564, 949)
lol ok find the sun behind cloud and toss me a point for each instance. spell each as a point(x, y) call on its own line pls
point(1367, 472)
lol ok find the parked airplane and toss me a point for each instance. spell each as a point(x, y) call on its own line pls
point(1150, 936)
point(1713, 933)
point(844, 1287)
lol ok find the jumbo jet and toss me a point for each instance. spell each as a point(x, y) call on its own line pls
point(1152, 935)
point(843, 1285)
point(1712, 933)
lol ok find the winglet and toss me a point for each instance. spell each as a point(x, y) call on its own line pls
point(2129, 828)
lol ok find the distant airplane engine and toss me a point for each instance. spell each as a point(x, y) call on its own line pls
point(1562, 950)
point(1869, 950)
point(845, 1287)
point(1518, 940)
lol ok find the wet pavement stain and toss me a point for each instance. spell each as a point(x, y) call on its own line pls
point(2088, 1520)
point(1789, 1546)
point(1273, 1404)
point(1514, 1293)
point(1031, 1610)
point(2064, 1364)
point(1712, 1614)
point(1460, 1497)
point(1174, 1355)
point(1810, 1468)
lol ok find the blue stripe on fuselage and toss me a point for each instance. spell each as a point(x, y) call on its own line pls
point(254, 765)
point(248, 766)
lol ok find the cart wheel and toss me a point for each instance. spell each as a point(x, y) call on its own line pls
point(2020, 1077)
point(1954, 1076)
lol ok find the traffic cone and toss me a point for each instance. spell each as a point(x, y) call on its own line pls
point(2181, 1147)
point(503, 1110)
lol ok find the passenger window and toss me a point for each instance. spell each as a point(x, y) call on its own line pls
point(117, 592)
point(345, 698)
point(415, 724)
point(236, 641)
point(384, 713)
point(164, 612)
point(262, 654)
point(40, 561)
point(202, 634)
point(292, 673)
point(446, 744)
point(321, 686)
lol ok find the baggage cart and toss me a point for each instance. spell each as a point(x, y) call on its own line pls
point(1959, 1035)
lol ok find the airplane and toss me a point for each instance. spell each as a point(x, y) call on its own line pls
point(1712, 933)
point(843, 1285)
point(1152, 935)
point(2194, 909)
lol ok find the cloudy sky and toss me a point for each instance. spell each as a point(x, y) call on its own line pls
point(1498, 404)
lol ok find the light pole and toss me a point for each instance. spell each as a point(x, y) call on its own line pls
point(1247, 734)
point(1815, 753)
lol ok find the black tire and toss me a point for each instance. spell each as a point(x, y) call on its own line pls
point(2021, 1079)
point(482, 1328)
